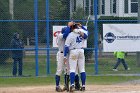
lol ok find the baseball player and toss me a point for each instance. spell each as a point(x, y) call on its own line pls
point(60, 63)
point(73, 46)
point(80, 28)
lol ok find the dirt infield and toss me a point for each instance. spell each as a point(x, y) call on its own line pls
point(89, 89)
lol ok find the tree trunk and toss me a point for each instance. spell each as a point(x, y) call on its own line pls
point(11, 8)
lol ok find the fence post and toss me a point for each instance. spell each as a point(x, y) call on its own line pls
point(36, 34)
point(47, 37)
point(96, 35)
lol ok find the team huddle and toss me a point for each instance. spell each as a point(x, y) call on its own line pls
point(70, 57)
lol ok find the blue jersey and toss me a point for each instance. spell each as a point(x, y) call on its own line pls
point(66, 32)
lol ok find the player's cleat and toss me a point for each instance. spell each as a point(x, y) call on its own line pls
point(72, 88)
point(58, 89)
point(82, 89)
point(77, 86)
point(115, 69)
point(66, 88)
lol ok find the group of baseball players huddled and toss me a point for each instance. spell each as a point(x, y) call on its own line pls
point(70, 57)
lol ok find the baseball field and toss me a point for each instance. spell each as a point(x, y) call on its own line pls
point(95, 84)
point(107, 81)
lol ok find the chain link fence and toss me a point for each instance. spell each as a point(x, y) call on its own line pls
point(115, 12)
point(34, 21)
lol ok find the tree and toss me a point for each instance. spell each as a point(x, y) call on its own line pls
point(5, 33)
point(57, 10)
point(24, 10)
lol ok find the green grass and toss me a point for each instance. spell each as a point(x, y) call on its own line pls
point(37, 81)
point(105, 66)
point(32, 81)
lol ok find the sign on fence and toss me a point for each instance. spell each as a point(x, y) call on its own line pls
point(57, 30)
point(121, 37)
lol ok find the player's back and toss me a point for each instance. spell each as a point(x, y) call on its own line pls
point(60, 42)
point(74, 41)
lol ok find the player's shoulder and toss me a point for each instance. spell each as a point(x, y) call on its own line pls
point(72, 34)
point(60, 36)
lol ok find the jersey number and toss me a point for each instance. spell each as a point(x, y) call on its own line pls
point(78, 39)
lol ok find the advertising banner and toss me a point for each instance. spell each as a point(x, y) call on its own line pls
point(121, 37)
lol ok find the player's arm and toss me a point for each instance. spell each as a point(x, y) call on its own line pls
point(84, 28)
point(67, 44)
point(82, 31)
point(64, 32)
point(81, 26)
point(66, 50)
point(67, 31)
point(66, 47)
point(85, 32)
point(84, 35)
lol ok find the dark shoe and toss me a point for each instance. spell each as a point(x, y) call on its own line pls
point(66, 88)
point(58, 89)
point(82, 89)
point(77, 87)
point(72, 88)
